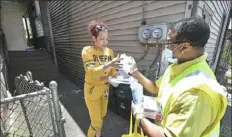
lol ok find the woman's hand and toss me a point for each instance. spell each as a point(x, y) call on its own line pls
point(115, 63)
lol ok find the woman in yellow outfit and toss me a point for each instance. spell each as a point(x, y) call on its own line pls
point(99, 64)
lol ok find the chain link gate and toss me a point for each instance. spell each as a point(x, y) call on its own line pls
point(34, 112)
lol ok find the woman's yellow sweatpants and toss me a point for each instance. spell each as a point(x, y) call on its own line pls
point(96, 99)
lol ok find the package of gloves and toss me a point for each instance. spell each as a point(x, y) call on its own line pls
point(151, 109)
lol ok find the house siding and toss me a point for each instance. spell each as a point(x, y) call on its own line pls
point(69, 25)
point(217, 27)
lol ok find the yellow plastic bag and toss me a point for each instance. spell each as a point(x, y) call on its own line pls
point(135, 132)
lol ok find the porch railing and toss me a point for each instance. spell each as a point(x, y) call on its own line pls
point(34, 112)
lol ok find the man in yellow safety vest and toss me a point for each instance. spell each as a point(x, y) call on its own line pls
point(192, 101)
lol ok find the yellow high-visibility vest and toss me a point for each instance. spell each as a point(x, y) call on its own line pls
point(198, 76)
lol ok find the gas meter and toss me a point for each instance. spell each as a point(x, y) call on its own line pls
point(154, 34)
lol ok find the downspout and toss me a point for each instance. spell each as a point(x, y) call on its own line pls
point(32, 21)
point(28, 35)
point(194, 8)
point(44, 19)
point(51, 34)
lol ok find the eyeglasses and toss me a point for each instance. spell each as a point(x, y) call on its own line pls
point(101, 27)
point(169, 43)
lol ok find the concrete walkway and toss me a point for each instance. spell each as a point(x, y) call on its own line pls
point(77, 118)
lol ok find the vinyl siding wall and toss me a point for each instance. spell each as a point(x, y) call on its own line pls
point(69, 21)
point(217, 27)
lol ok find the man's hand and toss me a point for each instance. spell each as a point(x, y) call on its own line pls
point(129, 65)
point(148, 127)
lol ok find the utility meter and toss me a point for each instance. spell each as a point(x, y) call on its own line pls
point(146, 34)
point(157, 33)
point(154, 34)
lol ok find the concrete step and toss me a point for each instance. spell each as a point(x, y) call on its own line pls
point(40, 63)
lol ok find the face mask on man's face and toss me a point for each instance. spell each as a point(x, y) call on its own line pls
point(169, 55)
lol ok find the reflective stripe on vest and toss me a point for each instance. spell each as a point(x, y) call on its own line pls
point(199, 75)
point(211, 85)
point(199, 78)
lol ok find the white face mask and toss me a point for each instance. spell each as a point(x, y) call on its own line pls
point(169, 56)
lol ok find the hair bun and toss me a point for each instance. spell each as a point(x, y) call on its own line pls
point(92, 27)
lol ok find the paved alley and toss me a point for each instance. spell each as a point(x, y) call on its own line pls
point(75, 110)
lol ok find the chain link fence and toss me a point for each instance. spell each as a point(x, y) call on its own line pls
point(226, 130)
point(226, 123)
point(224, 67)
point(27, 115)
point(34, 111)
